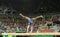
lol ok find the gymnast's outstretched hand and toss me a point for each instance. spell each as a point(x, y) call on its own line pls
point(41, 16)
point(20, 14)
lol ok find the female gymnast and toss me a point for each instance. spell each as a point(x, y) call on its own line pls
point(30, 21)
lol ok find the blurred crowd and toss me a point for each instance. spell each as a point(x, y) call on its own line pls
point(14, 24)
point(41, 25)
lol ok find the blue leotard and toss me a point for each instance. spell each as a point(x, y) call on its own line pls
point(31, 22)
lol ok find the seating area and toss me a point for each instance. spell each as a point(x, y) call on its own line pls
point(12, 22)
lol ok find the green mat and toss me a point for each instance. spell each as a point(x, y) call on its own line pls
point(8, 36)
point(15, 36)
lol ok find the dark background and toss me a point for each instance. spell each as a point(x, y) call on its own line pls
point(33, 7)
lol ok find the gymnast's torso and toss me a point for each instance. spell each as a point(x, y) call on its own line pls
point(31, 22)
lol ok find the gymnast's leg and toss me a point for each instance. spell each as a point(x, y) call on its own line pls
point(28, 28)
point(31, 28)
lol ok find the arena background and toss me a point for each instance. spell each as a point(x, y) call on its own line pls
point(32, 7)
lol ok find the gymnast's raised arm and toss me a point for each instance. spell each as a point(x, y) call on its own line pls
point(24, 17)
point(38, 17)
